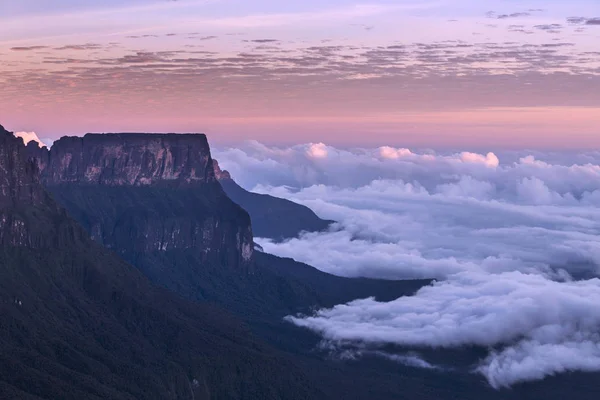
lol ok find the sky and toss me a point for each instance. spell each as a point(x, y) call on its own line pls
point(439, 73)
point(511, 237)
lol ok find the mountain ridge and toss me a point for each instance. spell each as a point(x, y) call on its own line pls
point(272, 217)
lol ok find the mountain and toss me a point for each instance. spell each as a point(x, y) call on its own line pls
point(261, 289)
point(155, 200)
point(142, 193)
point(97, 179)
point(79, 323)
point(272, 217)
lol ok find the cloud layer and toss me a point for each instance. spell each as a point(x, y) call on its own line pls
point(512, 237)
point(309, 69)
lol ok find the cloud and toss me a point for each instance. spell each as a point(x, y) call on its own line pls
point(263, 40)
point(318, 150)
point(28, 48)
point(513, 15)
point(306, 80)
point(30, 136)
point(543, 327)
point(80, 47)
point(583, 21)
point(410, 359)
point(390, 152)
point(550, 28)
point(489, 160)
point(513, 239)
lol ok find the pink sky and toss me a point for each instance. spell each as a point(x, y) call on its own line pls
point(398, 73)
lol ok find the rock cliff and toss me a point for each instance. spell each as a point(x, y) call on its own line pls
point(20, 194)
point(77, 322)
point(219, 173)
point(142, 193)
point(130, 159)
point(19, 181)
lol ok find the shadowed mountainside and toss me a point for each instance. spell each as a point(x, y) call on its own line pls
point(77, 322)
point(272, 217)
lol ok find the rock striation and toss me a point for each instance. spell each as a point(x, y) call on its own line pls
point(129, 159)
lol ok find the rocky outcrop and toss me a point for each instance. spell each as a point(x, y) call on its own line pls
point(219, 173)
point(142, 193)
point(20, 194)
point(129, 159)
point(19, 180)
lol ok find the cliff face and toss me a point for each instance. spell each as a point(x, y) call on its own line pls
point(19, 181)
point(130, 159)
point(146, 193)
point(219, 173)
point(21, 199)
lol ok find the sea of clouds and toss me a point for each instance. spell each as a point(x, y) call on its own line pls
point(512, 238)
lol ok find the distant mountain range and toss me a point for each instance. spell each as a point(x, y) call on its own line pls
point(127, 272)
point(272, 217)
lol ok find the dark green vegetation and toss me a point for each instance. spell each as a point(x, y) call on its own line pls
point(272, 217)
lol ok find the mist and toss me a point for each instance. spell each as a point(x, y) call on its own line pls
point(511, 238)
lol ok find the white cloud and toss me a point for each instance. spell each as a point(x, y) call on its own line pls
point(410, 359)
point(514, 239)
point(545, 326)
point(317, 150)
point(393, 153)
point(490, 160)
point(29, 136)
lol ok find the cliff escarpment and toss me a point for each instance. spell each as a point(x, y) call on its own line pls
point(77, 322)
point(134, 159)
point(24, 204)
point(148, 193)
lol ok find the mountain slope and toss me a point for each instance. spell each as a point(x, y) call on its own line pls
point(135, 199)
point(272, 217)
point(77, 322)
point(268, 289)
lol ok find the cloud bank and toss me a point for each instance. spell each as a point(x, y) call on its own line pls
point(512, 237)
point(543, 326)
